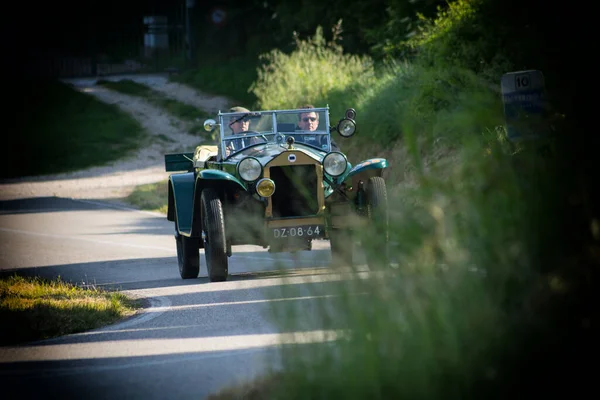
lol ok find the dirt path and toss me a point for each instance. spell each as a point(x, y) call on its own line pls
point(117, 180)
point(173, 90)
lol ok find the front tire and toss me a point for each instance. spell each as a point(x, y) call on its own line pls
point(188, 255)
point(213, 232)
point(377, 254)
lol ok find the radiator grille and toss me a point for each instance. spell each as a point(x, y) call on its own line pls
point(295, 191)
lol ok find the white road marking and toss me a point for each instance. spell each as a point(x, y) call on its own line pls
point(234, 303)
point(159, 347)
point(159, 305)
point(64, 371)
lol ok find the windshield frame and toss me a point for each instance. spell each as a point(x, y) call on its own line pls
point(224, 128)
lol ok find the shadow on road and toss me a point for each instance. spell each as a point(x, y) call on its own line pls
point(34, 205)
point(157, 272)
point(196, 308)
point(193, 331)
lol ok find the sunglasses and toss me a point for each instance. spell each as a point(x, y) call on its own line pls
point(306, 119)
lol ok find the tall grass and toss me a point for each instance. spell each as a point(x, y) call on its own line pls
point(472, 222)
point(310, 74)
point(448, 322)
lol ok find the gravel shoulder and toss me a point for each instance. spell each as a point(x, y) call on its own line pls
point(116, 180)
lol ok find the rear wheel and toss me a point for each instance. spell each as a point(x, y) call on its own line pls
point(188, 254)
point(377, 253)
point(213, 234)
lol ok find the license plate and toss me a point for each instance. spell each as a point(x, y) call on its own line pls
point(308, 231)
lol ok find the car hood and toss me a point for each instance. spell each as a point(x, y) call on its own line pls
point(266, 152)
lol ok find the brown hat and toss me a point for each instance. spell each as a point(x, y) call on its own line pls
point(238, 109)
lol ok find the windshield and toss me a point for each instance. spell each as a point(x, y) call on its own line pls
point(242, 130)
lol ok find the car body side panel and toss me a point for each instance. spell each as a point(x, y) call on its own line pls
point(179, 162)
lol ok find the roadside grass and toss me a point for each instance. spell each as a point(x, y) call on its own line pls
point(59, 129)
point(258, 389)
point(194, 117)
point(150, 197)
point(231, 78)
point(32, 308)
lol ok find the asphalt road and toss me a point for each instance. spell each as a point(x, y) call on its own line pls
point(194, 338)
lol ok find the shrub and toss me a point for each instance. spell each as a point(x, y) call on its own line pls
point(310, 73)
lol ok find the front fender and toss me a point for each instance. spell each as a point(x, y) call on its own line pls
point(184, 196)
point(181, 201)
point(364, 170)
point(215, 174)
point(223, 181)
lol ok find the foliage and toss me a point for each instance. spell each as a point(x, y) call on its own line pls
point(459, 37)
point(309, 74)
point(402, 20)
point(253, 27)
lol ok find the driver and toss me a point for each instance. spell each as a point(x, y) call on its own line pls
point(239, 125)
point(309, 121)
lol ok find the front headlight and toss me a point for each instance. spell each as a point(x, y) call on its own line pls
point(265, 187)
point(249, 169)
point(346, 127)
point(335, 164)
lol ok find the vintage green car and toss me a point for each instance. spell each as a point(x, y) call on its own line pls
point(280, 184)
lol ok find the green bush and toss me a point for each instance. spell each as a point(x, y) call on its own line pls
point(309, 74)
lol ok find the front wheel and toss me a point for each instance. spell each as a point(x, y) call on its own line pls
point(188, 255)
point(377, 253)
point(213, 234)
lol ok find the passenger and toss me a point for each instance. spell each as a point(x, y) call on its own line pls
point(239, 125)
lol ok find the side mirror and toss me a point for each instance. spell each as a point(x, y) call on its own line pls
point(346, 127)
point(209, 125)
